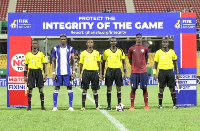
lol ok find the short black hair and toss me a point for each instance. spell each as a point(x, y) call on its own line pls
point(138, 34)
point(89, 39)
point(165, 38)
point(112, 38)
point(63, 35)
point(33, 40)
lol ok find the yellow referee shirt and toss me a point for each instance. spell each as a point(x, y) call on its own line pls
point(35, 61)
point(114, 59)
point(89, 60)
point(165, 59)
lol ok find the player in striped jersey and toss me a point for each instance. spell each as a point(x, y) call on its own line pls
point(62, 72)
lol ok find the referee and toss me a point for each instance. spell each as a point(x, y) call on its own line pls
point(115, 57)
point(90, 62)
point(35, 61)
point(166, 60)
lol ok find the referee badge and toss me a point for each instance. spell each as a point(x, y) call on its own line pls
point(32, 60)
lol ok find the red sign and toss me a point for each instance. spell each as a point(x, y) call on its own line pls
point(18, 47)
point(189, 56)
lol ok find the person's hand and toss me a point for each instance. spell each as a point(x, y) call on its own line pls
point(45, 78)
point(54, 77)
point(103, 78)
point(155, 77)
point(73, 76)
point(100, 78)
point(25, 79)
point(79, 78)
point(125, 76)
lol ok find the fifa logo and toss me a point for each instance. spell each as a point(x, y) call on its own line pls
point(177, 25)
point(20, 23)
point(13, 24)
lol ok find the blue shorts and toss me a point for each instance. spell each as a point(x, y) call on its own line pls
point(63, 80)
point(139, 78)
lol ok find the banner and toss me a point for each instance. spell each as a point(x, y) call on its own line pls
point(18, 47)
point(99, 24)
point(181, 25)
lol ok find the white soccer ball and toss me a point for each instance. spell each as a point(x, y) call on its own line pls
point(120, 107)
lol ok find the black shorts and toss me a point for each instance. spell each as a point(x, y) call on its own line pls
point(35, 78)
point(90, 76)
point(166, 77)
point(113, 74)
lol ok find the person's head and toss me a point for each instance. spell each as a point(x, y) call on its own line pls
point(34, 44)
point(138, 39)
point(113, 41)
point(63, 39)
point(165, 42)
point(90, 43)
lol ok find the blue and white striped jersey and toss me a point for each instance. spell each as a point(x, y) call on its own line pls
point(63, 56)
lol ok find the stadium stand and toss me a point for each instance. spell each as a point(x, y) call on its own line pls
point(70, 5)
point(163, 5)
point(151, 60)
point(49, 70)
point(4, 25)
point(3, 61)
point(198, 66)
point(3, 9)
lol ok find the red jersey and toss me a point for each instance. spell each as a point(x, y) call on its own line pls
point(138, 54)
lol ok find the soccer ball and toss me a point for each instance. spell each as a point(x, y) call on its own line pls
point(120, 107)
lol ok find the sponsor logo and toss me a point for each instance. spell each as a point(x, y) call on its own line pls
point(185, 24)
point(188, 24)
point(17, 62)
point(177, 25)
point(13, 24)
point(20, 23)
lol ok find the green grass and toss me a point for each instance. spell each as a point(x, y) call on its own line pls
point(90, 119)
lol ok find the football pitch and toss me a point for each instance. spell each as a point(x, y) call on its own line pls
point(92, 120)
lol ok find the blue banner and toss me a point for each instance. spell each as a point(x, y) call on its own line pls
point(76, 82)
point(99, 24)
point(181, 25)
point(2, 82)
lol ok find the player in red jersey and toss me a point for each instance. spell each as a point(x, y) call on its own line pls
point(138, 56)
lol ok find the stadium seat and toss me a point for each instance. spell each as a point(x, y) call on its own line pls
point(49, 70)
point(70, 5)
point(3, 9)
point(151, 60)
point(161, 6)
